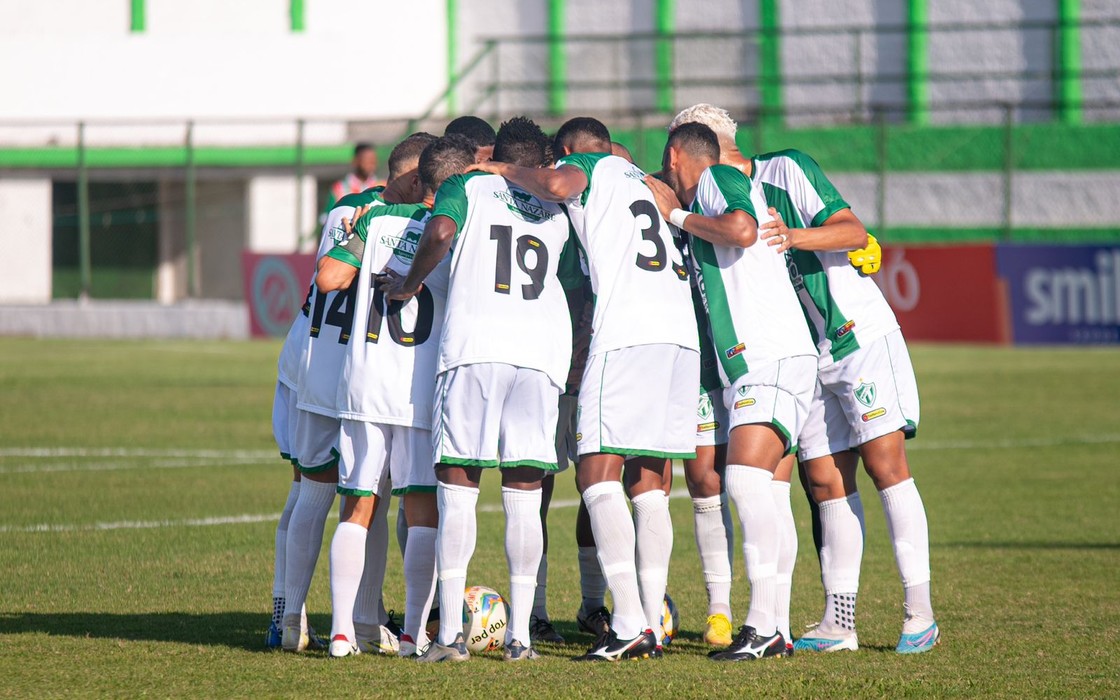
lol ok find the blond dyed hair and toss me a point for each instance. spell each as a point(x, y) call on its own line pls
point(716, 119)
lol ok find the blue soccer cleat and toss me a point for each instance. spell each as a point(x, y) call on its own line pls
point(273, 637)
point(919, 641)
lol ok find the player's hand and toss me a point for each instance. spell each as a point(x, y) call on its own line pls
point(776, 233)
point(664, 195)
point(490, 166)
point(392, 285)
point(348, 223)
point(869, 258)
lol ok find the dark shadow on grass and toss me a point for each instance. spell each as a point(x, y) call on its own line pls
point(237, 630)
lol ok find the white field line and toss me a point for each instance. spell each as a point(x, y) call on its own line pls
point(208, 454)
point(49, 467)
point(229, 520)
point(137, 453)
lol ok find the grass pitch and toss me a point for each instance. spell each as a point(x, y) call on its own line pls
point(138, 494)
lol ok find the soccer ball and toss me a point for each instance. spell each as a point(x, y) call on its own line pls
point(670, 621)
point(484, 619)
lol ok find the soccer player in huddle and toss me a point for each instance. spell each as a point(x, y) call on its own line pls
point(316, 427)
point(385, 397)
point(498, 386)
point(639, 387)
point(866, 397)
point(766, 358)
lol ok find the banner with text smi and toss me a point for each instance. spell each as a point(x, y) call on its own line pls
point(1062, 294)
point(275, 289)
point(944, 293)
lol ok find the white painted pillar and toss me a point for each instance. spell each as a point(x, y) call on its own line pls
point(25, 240)
point(270, 203)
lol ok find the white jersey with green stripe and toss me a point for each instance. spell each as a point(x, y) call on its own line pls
point(389, 369)
point(506, 302)
point(754, 314)
point(640, 284)
point(332, 232)
point(845, 309)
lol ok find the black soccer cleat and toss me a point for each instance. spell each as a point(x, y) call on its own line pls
point(748, 645)
point(597, 622)
point(610, 648)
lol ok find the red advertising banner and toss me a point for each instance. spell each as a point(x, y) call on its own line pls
point(275, 289)
point(945, 293)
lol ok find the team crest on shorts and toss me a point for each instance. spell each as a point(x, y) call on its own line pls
point(704, 410)
point(865, 393)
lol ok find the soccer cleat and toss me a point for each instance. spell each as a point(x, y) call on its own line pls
point(294, 636)
point(410, 647)
point(341, 647)
point(827, 641)
point(456, 651)
point(597, 622)
point(749, 645)
point(314, 641)
point(717, 631)
point(541, 630)
point(919, 641)
point(383, 642)
point(392, 625)
point(516, 651)
point(657, 653)
point(611, 648)
point(273, 638)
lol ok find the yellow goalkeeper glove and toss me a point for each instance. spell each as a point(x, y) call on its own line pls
point(867, 259)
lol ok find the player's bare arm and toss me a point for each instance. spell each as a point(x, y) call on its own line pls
point(553, 185)
point(439, 232)
point(843, 231)
point(334, 275)
point(735, 228)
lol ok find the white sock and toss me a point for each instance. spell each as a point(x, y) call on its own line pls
point(749, 488)
point(540, 597)
point(305, 539)
point(787, 556)
point(909, 532)
point(842, 531)
point(347, 562)
point(419, 579)
point(711, 543)
point(369, 611)
point(653, 531)
point(402, 528)
point(280, 557)
point(728, 527)
point(615, 542)
point(458, 529)
point(524, 546)
point(592, 585)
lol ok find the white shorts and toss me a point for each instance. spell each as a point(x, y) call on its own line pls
point(492, 414)
point(567, 450)
point(366, 449)
point(866, 395)
point(711, 419)
point(284, 420)
point(315, 442)
point(778, 393)
point(640, 401)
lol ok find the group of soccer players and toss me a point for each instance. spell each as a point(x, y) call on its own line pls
point(517, 301)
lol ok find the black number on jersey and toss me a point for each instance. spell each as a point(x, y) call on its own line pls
point(340, 314)
point(425, 316)
point(656, 261)
point(503, 265)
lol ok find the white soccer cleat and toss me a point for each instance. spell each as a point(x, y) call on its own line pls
point(383, 642)
point(456, 651)
point(410, 647)
point(341, 647)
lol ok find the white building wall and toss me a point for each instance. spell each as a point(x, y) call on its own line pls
point(215, 58)
point(25, 240)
